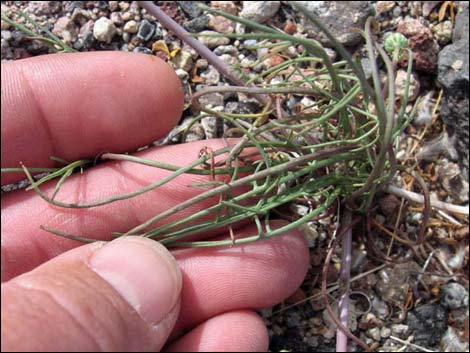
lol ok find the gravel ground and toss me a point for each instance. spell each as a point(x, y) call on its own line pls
point(391, 303)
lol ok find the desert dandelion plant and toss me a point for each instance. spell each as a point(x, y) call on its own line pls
point(340, 148)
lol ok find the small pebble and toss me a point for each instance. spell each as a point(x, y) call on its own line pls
point(184, 60)
point(190, 8)
point(374, 333)
point(131, 27)
point(197, 24)
point(211, 100)
point(290, 27)
point(116, 18)
point(226, 49)
point(201, 63)
point(66, 29)
point(195, 133)
point(211, 76)
point(454, 295)
point(124, 5)
point(104, 30)
point(113, 5)
point(380, 307)
point(127, 16)
point(259, 11)
point(6, 35)
point(146, 30)
point(44, 7)
point(250, 43)
point(413, 88)
point(384, 6)
point(211, 124)
point(385, 332)
point(293, 319)
point(182, 74)
point(443, 32)
point(416, 218)
point(225, 6)
point(212, 42)
point(229, 59)
point(143, 50)
point(273, 60)
point(221, 24)
point(400, 330)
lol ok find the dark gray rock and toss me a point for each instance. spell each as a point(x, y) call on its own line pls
point(190, 8)
point(453, 65)
point(454, 77)
point(428, 323)
point(146, 30)
point(340, 17)
point(198, 24)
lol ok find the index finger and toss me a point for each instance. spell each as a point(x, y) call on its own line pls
point(77, 105)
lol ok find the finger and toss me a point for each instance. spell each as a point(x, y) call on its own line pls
point(25, 246)
point(236, 331)
point(91, 300)
point(256, 275)
point(75, 106)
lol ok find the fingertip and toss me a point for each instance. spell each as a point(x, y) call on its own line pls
point(77, 105)
point(236, 331)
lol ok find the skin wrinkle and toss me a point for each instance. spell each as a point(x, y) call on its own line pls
point(25, 303)
point(58, 305)
point(196, 298)
point(116, 310)
point(41, 116)
point(101, 329)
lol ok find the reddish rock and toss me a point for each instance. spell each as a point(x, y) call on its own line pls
point(273, 60)
point(421, 42)
point(221, 24)
point(290, 28)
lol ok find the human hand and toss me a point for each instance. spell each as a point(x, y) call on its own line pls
point(124, 295)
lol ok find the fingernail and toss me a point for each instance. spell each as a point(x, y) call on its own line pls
point(143, 272)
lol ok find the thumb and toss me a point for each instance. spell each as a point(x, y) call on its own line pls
point(119, 296)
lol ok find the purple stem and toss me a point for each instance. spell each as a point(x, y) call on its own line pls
point(202, 50)
point(182, 34)
point(345, 274)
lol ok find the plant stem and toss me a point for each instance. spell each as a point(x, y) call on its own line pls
point(415, 197)
point(344, 281)
point(203, 51)
point(280, 168)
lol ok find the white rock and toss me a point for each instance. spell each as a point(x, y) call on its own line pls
point(213, 42)
point(104, 30)
point(181, 73)
point(385, 332)
point(259, 11)
point(374, 333)
point(131, 27)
